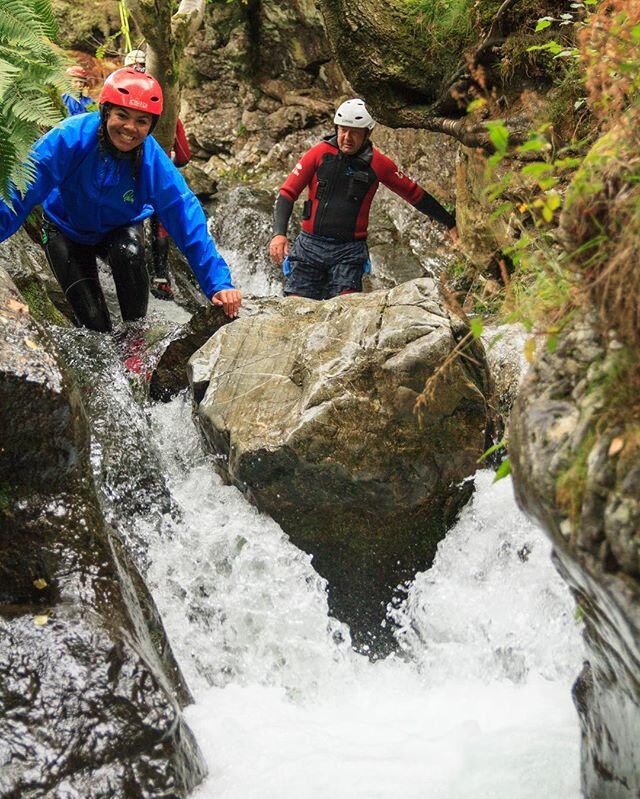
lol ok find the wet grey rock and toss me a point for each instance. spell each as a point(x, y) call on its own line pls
point(576, 471)
point(27, 266)
point(90, 693)
point(312, 405)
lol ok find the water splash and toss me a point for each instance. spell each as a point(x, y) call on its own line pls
point(477, 703)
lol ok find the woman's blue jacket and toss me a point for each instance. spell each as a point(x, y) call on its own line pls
point(87, 192)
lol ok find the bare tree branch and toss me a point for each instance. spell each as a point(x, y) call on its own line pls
point(470, 133)
point(188, 18)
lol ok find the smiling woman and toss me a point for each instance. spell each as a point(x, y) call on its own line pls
point(128, 129)
point(98, 176)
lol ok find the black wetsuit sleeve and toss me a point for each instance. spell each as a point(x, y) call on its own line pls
point(281, 215)
point(431, 207)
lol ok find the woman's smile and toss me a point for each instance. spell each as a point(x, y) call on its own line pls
point(127, 129)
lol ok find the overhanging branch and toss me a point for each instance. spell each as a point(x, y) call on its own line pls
point(468, 132)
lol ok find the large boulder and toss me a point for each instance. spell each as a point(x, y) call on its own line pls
point(354, 423)
point(90, 693)
point(577, 471)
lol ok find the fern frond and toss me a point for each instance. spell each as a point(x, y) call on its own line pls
point(31, 79)
point(44, 13)
point(33, 109)
point(20, 32)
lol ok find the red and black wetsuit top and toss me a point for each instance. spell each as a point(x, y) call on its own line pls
point(181, 146)
point(341, 189)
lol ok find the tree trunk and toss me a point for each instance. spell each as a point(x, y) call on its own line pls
point(167, 36)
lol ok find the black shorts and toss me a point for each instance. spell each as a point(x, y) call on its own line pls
point(321, 268)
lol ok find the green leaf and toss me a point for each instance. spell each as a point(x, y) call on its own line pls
point(504, 470)
point(474, 105)
point(31, 75)
point(502, 444)
point(533, 145)
point(502, 209)
point(476, 326)
point(567, 163)
point(498, 134)
point(547, 183)
point(543, 23)
point(553, 200)
point(536, 169)
point(552, 46)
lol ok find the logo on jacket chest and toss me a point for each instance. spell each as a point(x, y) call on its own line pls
point(128, 196)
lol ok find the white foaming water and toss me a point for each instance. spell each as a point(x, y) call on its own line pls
point(478, 705)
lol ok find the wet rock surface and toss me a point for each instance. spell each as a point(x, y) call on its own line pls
point(90, 694)
point(577, 472)
point(312, 406)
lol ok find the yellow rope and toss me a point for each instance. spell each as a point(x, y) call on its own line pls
point(124, 25)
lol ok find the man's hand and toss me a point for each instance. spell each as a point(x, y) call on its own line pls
point(453, 232)
point(279, 248)
point(230, 299)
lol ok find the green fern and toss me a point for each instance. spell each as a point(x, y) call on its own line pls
point(30, 67)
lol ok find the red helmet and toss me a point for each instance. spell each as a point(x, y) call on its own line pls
point(132, 89)
point(76, 72)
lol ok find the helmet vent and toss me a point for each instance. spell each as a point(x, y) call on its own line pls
point(123, 91)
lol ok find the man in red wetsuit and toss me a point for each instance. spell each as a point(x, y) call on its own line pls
point(342, 173)
point(180, 154)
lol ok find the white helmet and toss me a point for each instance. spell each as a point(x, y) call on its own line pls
point(354, 114)
point(136, 58)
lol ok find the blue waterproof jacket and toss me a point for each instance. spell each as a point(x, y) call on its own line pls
point(87, 193)
point(78, 105)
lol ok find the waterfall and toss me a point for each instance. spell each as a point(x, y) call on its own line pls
point(476, 702)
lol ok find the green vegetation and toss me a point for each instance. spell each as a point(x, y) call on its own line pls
point(532, 197)
point(124, 33)
point(40, 305)
point(440, 21)
point(571, 202)
point(31, 73)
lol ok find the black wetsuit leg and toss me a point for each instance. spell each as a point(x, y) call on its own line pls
point(75, 268)
point(124, 252)
point(159, 248)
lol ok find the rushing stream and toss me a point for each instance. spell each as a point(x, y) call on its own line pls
point(478, 705)
point(475, 704)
